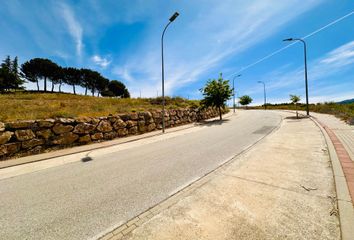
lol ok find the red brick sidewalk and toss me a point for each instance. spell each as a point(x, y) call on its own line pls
point(344, 158)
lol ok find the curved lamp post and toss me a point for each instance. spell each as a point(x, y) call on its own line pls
point(172, 18)
point(233, 89)
point(306, 85)
point(265, 95)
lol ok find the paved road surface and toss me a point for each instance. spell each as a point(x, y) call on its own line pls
point(81, 200)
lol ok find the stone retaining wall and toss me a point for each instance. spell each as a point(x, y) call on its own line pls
point(22, 138)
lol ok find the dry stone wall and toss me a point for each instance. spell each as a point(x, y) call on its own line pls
point(22, 138)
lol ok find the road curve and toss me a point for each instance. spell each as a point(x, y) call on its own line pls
point(82, 200)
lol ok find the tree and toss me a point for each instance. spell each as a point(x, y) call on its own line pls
point(9, 77)
point(245, 100)
point(72, 76)
point(118, 89)
point(29, 70)
point(57, 77)
point(38, 68)
point(101, 85)
point(295, 99)
point(216, 93)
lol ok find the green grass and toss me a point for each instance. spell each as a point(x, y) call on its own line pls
point(31, 105)
point(342, 111)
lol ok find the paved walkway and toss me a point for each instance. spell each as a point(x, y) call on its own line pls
point(277, 190)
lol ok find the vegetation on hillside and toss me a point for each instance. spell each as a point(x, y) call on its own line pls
point(342, 111)
point(39, 69)
point(33, 105)
point(216, 92)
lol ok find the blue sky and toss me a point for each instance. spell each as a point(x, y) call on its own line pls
point(121, 39)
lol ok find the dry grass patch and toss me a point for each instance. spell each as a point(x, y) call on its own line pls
point(28, 105)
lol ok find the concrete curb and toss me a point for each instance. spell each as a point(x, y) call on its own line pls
point(124, 229)
point(344, 201)
point(95, 146)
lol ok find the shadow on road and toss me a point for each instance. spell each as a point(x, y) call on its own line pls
point(214, 122)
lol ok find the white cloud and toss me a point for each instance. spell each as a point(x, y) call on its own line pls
point(74, 27)
point(101, 61)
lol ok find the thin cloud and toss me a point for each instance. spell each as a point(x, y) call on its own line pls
point(74, 27)
point(341, 56)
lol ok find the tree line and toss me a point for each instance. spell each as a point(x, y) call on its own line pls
point(12, 77)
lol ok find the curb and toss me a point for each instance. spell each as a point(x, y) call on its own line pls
point(105, 144)
point(124, 229)
point(344, 200)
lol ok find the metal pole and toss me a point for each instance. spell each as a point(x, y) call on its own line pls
point(265, 97)
point(172, 18)
point(233, 89)
point(163, 80)
point(306, 84)
point(264, 94)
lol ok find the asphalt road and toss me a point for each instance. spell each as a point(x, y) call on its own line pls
point(82, 200)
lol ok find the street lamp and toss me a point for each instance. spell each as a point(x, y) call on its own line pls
point(233, 89)
point(305, 56)
point(265, 95)
point(172, 18)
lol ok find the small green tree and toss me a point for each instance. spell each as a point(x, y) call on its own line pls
point(295, 99)
point(245, 100)
point(216, 93)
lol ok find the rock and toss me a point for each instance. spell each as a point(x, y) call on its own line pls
point(133, 130)
point(65, 138)
point(85, 139)
point(131, 123)
point(20, 124)
point(125, 117)
point(151, 127)
point(83, 119)
point(32, 143)
point(157, 115)
point(97, 136)
point(47, 123)
point(45, 133)
point(2, 126)
point(110, 135)
point(24, 135)
point(5, 137)
point(84, 128)
point(122, 132)
point(95, 121)
point(104, 126)
point(13, 147)
point(112, 119)
point(141, 126)
point(35, 150)
point(134, 116)
point(61, 128)
point(119, 124)
point(3, 150)
point(65, 120)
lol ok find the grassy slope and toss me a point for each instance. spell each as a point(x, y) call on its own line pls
point(25, 106)
point(343, 111)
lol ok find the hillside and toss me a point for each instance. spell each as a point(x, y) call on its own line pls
point(29, 105)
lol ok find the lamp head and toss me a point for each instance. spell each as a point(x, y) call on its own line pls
point(288, 39)
point(174, 16)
